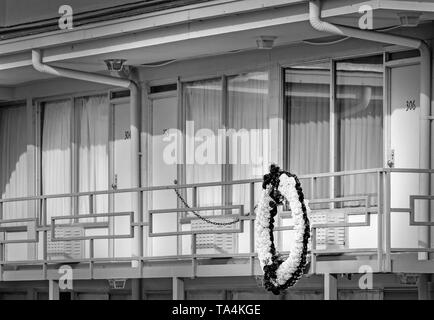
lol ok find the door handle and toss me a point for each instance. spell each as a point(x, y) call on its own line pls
point(115, 183)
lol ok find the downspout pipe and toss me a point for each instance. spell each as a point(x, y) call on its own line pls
point(425, 160)
point(135, 121)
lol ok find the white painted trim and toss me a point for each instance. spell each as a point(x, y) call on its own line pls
point(146, 21)
point(118, 37)
point(426, 6)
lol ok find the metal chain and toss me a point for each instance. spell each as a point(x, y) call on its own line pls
point(201, 217)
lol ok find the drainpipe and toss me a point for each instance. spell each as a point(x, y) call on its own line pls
point(134, 128)
point(425, 160)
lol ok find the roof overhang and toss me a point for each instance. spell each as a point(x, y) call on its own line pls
point(213, 27)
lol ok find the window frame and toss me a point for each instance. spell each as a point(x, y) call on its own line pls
point(226, 170)
point(38, 113)
point(334, 143)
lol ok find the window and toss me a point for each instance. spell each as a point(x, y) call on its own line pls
point(247, 97)
point(13, 175)
point(357, 114)
point(226, 133)
point(74, 147)
point(93, 149)
point(75, 158)
point(359, 109)
point(307, 110)
point(340, 132)
point(227, 138)
point(13, 169)
point(56, 155)
point(202, 102)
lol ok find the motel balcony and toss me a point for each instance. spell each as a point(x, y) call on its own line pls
point(90, 178)
point(385, 230)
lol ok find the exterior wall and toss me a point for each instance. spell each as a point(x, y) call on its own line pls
point(311, 288)
point(202, 68)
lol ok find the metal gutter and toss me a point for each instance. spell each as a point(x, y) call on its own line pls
point(425, 161)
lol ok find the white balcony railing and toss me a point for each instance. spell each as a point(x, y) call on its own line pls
point(343, 227)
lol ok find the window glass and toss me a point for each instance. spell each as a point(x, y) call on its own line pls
point(203, 109)
point(359, 107)
point(56, 155)
point(307, 109)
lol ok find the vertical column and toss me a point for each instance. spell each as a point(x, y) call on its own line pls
point(431, 205)
point(31, 294)
point(422, 287)
point(180, 154)
point(178, 289)
point(53, 290)
point(146, 147)
point(334, 182)
point(330, 287)
point(31, 172)
point(136, 289)
point(135, 128)
point(275, 112)
point(424, 146)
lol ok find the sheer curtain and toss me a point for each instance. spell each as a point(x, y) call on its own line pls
point(247, 96)
point(307, 100)
point(93, 155)
point(360, 105)
point(203, 106)
point(93, 150)
point(13, 174)
point(56, 155)
point(13, 169)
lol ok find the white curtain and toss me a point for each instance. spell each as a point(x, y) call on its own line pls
point(56, 156)
point(93, 150)
point(360, 104)
point(203, 105)
point(13, 175)
point(307, 101)
point(93, 154)
point(248, 117)
point(13, 168)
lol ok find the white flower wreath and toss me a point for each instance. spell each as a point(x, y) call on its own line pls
point(280, 274)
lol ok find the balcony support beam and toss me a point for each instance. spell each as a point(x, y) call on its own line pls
point(53, 290)
point(178, 289)
point(422, 287)
point(330, 286)
point(136, 289)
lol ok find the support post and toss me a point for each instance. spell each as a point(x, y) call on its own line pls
point(422, 287)
point(178, 290)
point(330, 287)
point(53, 290)
point(135, 128)
point(136, 289)
point(31, 294)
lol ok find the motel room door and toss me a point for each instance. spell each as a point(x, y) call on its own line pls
point(163, 172)
point(121, 177)
point(404, 108)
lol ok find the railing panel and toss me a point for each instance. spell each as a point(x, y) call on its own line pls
point(370, 225)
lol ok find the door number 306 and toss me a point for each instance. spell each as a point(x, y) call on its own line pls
point(411, 105)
